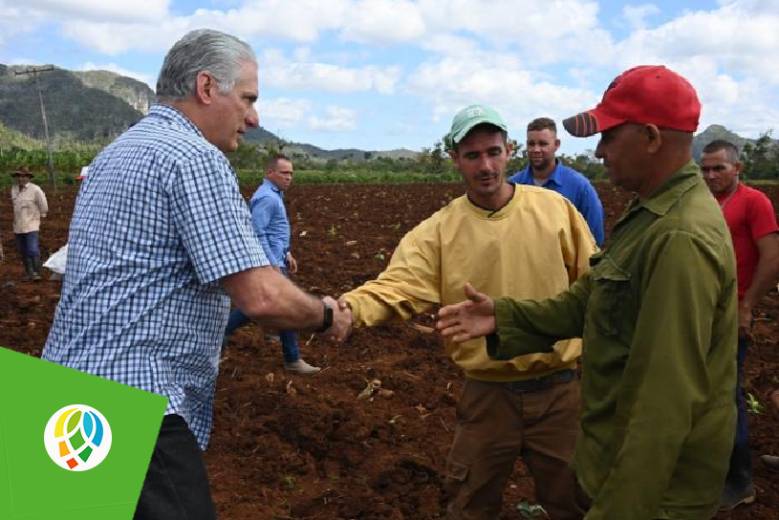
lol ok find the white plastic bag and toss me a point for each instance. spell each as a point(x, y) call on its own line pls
point(57, 261)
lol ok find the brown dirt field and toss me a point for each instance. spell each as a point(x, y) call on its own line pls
point(305, 447)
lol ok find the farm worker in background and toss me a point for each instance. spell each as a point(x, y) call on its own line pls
point(160, 240)
point(545, 170)
point(752, 222)
point(527, 406)
point(657, 313)
point(269, 217)
point(30, 207)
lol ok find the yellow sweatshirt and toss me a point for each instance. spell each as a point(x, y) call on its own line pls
point(534, 247)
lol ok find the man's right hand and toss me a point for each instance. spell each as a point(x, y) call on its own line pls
point(342, 320)
point(472, 318)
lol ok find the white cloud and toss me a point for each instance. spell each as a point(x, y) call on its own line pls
point(112, 39)
point(113, 67)
point(499, 80)
point(278, 71)
point(383, 21)
point(636, 14)
point(732, 36)
point(302, 20)
point(283, 112)
point(15, 21)
point(335, 119)
point(103, 10)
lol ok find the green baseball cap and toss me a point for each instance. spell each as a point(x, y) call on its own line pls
point(469, 117)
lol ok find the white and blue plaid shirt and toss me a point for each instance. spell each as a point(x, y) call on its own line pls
point(158, 221)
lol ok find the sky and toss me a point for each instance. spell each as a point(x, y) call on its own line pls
point(385, 74)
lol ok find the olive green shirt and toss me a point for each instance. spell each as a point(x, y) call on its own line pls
point(658, 317)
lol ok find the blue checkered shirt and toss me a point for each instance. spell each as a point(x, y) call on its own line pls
point(158, 221)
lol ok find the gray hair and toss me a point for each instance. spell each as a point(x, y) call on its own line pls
point(222, 55)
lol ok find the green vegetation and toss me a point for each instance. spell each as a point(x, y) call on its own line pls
point(753, 405)
point(761, 162)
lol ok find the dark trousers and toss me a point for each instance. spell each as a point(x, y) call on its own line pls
point(740, 472)
point(27, 244)
point(176, 485)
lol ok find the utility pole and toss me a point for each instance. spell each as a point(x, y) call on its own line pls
point(35, 71)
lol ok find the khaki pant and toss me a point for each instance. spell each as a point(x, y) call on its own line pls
point(495, 425)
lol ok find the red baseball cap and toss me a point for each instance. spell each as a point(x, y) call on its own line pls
point(645, 94)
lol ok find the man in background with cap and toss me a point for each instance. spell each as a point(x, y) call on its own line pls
point(526, 406)
point(30, 207)
point(752, 222)
point(545, 170)
point(657, 314)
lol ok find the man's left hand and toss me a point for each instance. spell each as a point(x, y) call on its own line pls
point(292, 264)
point(745, 320)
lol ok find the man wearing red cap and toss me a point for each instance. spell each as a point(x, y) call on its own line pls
point(752, 222)
point(656, 312)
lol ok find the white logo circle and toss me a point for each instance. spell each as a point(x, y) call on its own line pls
point(77, 437)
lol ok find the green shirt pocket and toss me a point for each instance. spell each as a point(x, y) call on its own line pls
point(609, 295)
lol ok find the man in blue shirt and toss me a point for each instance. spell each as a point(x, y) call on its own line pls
point(547, 171)
point(160, 242)
point(269, 217)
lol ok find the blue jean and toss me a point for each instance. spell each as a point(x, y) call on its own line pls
point(740, 472)
point(27, 244)
point(289, 338)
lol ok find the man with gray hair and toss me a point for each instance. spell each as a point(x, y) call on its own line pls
point(160, 241)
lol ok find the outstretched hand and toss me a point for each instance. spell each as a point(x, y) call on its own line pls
point(472, 318)
point(342, 320)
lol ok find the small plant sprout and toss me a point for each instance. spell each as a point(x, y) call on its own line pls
point(753, 405)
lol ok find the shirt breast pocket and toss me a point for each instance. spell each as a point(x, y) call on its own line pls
point(609, 296)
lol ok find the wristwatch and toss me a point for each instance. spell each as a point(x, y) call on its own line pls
point(327, 320)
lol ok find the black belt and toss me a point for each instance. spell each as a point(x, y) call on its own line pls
point(542, 383)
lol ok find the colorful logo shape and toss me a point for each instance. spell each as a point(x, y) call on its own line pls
point(77, 437)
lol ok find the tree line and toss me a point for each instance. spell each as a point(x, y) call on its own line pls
point(760, 159)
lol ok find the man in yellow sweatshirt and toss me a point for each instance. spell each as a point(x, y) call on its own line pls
point(507, 240)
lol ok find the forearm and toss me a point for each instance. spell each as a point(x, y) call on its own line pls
point(267, 296)
point(526, 327)
point(375, 303)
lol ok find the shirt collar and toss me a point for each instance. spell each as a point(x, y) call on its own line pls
point(173, 114)
point(273, 187)
point(552, 179)
point(671, 191)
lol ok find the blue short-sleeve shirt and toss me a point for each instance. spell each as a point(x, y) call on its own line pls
point(157, 223)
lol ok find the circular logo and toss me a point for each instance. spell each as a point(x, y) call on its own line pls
point(77, 437)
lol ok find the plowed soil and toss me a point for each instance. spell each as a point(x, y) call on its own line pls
point(307, 447)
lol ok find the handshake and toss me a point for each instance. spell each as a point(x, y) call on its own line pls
point(471, 318)
point(337, 323)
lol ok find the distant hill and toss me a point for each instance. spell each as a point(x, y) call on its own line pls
point(83, 106)
point(96, 106)
point(309, 151)
point(713, 132)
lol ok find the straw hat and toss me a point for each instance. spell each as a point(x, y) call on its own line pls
point(22, 171)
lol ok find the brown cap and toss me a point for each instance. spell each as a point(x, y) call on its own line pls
point(22, 171)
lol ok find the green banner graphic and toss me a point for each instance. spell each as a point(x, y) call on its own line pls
point(72, 445)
